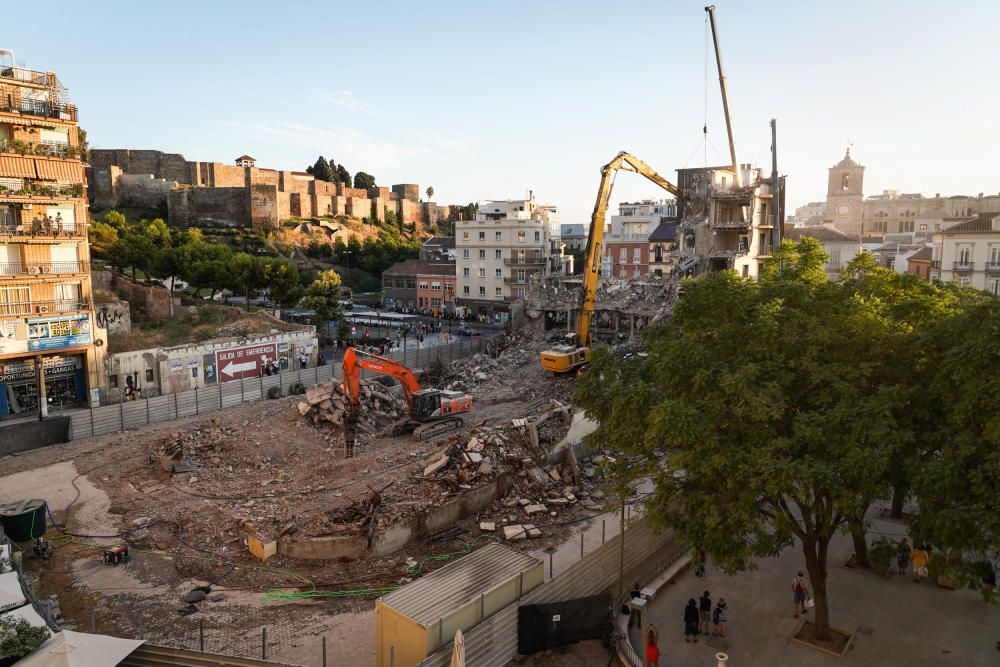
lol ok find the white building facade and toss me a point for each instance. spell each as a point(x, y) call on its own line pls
point(969, 253)
point(498, 253)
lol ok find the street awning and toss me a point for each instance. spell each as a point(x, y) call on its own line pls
point(15, 166)
point(11, 595)
point(66, 171)
point(79, 649)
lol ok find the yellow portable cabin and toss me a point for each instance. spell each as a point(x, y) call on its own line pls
point(421, 617)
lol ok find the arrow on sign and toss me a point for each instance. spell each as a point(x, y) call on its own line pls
point(232, 369)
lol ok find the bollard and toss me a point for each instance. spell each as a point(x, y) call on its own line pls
point(550, 563)
point(581, 546)
point(721, 658)
point(603, 526)
point(263, 643)
point(324, 650)
point(201, 635)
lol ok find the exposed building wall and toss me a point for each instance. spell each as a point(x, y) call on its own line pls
point(209, 207)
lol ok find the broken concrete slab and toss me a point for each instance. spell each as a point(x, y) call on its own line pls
point(436, 466)
point(532, 531)
point(515, 532)
point(489, 526)
point(535, 509)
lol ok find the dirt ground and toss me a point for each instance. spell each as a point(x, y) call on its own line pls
point(264, 464)
point(584, 654)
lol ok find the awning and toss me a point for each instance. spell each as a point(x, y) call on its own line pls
point(27, 121)
point(15, 166)
point(11, 595)
point(78, 649)
point(28, 613)
point(66, 171)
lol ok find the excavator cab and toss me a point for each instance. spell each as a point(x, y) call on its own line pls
point(564, 358)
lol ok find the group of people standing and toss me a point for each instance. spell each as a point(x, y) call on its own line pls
point(700, 614)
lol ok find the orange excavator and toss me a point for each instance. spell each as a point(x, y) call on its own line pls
point(432, 411)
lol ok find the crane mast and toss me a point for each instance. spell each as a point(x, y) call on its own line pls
point(737, 177)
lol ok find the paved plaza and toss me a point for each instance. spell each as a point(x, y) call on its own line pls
point(894, 621)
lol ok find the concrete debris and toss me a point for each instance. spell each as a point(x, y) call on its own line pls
point(535, 509)
point(487, 526)
point(515, 532)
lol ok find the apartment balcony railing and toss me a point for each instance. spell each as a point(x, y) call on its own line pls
point(729, 252)
point(515, 281)
point(523, 261)
point(43, 268)
point(14, 187)
point(38, 108)
point(42, 230)
point(964, 266)
point(730, 224)
point(992, 267)
point(35, 308)
point(45, 148)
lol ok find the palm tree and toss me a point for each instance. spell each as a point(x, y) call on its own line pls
point(430, 192)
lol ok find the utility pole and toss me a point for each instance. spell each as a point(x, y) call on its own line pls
point(775, 188)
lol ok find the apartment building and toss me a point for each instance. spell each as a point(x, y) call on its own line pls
point(47, 324)
point(414, 283)
point(626, 237)
point(574, 237)
point(969, 252)
point(499, 252)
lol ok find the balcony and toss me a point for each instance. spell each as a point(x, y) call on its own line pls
point(765, 250)
point(13, 103)
point(41, 230)
point(524, 261)
point(42, 269)
point(36, 308)
point(992, 267)
point(45, 148)
point(730, 224)
point(515, 281)
point(721, 253)
point(964, 267)
point(34, 189)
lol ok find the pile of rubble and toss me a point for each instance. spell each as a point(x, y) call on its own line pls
point(647, 295)
point(378, 405)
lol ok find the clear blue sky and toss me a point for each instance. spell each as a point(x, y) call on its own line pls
point(490, 99)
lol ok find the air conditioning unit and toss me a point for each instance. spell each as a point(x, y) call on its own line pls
point(43, 309)
point(46, 269)
point(33, 270)
point(26, 207)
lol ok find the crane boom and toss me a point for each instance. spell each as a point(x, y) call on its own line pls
point(565, 358)
point(737, 178)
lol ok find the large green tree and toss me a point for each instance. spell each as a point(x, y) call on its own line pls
point(281, 279)
point(323, 297)
point(343, 176)
point(321, 170)
point(764, 413)
point(363, 180)
point(206, 266)
point(245, 275)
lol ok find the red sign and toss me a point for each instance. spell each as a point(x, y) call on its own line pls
point(244, 362)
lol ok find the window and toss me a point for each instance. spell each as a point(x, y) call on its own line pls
point(834, 262)
point(465, 236)
point(113, 381)
point(465, 272)
point(994, 255)
point(482, 273)
point(149, 375)
point(538, 237)
point(15, 300)
point(400, 283)
point(923, 227)
point(465, 254)
point(465, 289)
point(522, 236)
point(387, 282)
point(520, 275)
point(482, 236)
point(194, 372)
point(499, 254)
point(964, 255)
point(963, 281)
point(435, 302)
point(499, 235)
point(636, 255)
point(497, 292)
point(520, 292)
point(993, 287)
point(499, 273)
point(482, 254)
point(746, 270)
point(411, 283)
point(845, 182)
point(423, 284)
point(436, 286)
point(622, 255)
point(482, 291)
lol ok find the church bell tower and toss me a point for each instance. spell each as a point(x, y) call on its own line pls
point(844, 196)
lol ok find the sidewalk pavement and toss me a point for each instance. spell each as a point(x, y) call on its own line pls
point(894, 621)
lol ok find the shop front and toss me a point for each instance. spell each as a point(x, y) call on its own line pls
point(65, 384)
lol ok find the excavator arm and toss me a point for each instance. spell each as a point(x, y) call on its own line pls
point(353, 362)
point(626, 162)
point(562, 360)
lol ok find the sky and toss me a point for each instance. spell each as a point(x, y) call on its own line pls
point(488, 100)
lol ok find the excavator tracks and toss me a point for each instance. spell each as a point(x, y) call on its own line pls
point(434, 429)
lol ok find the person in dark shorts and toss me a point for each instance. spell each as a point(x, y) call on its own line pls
point(704, 612)
point(691, 621)
point(719, 618)
point(799, 591)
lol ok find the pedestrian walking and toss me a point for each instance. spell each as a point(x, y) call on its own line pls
point(652, 647)
point(920, 557)
point(719, 618)
point(691, 621)
point(903, 552)
point(704, 612)
point(799, 592)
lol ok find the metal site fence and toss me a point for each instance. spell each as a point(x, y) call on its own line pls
point(201, 400)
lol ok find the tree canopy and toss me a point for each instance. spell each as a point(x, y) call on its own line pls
point(364, 181)
point(769, 412)
point(323, 297)
point(321, 170)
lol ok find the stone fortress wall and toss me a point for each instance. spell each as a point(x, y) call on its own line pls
point(213, 194)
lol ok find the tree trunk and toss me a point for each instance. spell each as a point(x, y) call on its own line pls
point(860, 543)
point(170, 297)
point(898, 497)
point(816, 555)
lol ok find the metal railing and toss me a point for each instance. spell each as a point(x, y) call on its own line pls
point(730, 224)
point(993, 267)
point(44, 148)
point(41, 268)
point(40, 108)
point(24, 75)
point(964, 266)
point(23, 187)
point(43, 229)
point(31, 308)
point(515, 281)
point(523, 261)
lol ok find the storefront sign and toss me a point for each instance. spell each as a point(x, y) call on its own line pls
point(50, 333)
point(243, 362)
point(26, 370)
